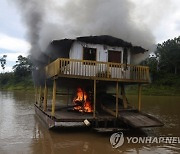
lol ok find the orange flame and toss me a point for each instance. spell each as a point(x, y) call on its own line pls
point(82, 97)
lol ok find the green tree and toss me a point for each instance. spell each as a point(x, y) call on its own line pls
point(3, 61)
point(169, 56)
point(23, 67)
point(152, 62)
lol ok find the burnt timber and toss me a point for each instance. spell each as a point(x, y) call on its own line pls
point(114, 114)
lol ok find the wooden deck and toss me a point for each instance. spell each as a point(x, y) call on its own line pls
point(95, 70)
point(137, 119)
point(130, 117)
point(70, 115)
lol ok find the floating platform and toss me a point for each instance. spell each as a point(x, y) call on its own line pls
point(128, 118)
point(71, 118)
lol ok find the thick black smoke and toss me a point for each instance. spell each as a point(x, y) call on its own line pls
point(47, 20)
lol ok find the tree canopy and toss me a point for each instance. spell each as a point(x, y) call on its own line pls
point(168, 55)
point(23, 66)
point(165, 64)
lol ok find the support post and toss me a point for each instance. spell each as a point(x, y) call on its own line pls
point(139, 96)
point(68, 96)
point(94, 107)
point(108, 75)
point(54, 98)
point(45, 97)
point(36, 95)
point(40, 95)
point(124, 96)
point(117, 98)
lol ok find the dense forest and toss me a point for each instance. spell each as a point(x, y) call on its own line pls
point(20, 78)
point(164, 66)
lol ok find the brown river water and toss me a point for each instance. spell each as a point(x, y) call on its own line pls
point(22, 132)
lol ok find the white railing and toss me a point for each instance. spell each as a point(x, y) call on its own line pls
point(96, 69)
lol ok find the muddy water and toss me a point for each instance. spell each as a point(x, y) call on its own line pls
point(22, 132)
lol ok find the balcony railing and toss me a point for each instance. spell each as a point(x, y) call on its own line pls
point(97, 70)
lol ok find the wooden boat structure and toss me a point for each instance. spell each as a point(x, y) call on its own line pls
point(85, 83)
point(111, 113)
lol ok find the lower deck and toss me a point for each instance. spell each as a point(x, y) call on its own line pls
point(71, 115)
point(67, 117)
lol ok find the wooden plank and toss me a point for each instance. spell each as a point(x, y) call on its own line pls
point(139, 120)
point(111, 112)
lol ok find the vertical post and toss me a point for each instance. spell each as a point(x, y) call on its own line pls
point(139, 96)
point(117, 98)
point(54, 98)
point(124, 96)
point(68, 96)
point(148, 77)
point(45, 97)
point(36, 94)
point(108, 71)
point(40, 93)
point(94, 108)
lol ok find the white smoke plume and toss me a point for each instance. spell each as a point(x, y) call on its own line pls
point(47, 20)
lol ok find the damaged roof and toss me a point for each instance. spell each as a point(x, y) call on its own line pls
point(64, 45)
point(105, 40)
point(59, 48)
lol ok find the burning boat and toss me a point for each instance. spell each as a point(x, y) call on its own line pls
point(93, 72)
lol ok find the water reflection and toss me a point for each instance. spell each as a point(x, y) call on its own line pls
point(22, 132)
point(69, 141)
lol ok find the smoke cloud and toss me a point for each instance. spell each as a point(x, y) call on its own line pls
point(48, 19)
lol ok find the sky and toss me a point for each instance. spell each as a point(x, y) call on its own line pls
point(162, 18)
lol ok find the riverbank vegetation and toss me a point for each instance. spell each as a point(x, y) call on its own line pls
point(164, 66)
point(20, 78)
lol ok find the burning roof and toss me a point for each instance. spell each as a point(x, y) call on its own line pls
point(111, 41)
point(105, 40)
point(60, 45)
point(64, 45)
